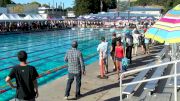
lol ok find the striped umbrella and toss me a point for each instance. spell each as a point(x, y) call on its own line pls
point(167, 29)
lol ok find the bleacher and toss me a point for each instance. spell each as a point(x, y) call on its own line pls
point(149, 87)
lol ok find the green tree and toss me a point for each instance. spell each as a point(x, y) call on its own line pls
point(82, 7)
point(113, 4)
point(92, 6)
point(45, 5)
point(176, 2)
point(167, 4)
point(35, 3)
point(3, 3)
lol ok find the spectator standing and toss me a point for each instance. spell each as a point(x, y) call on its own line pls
point(142, 43)
point(147, 45)
point(135, 34)
point(113, 45)
point(26, 83)
point(129, 40)
point(119, 55)
point(102, 49)
point(76, 68)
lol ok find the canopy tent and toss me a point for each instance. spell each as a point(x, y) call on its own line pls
point(92, 18)
point(14, 17)
point(4, 17)
point(34, 17)
point(80, 18)
point(119, 18)
point(28, 18)
point(40, 17)
point(134, 18)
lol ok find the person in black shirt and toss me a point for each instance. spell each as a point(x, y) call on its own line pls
point(113, 45)
point(26, 83)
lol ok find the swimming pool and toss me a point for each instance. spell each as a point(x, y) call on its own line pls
point(46, 52)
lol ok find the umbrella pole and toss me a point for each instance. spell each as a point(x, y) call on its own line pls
point(174, 50)
point(174, 57)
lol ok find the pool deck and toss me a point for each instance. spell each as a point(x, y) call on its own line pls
point(93, 89)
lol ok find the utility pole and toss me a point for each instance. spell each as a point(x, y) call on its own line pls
point(129, 5)
point(101, 5)
point(117, 7)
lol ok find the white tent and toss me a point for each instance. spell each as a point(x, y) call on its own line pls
point(14, 17)
point(40, 17)
point(34, 17)
point(29, 18)
point(4, 17)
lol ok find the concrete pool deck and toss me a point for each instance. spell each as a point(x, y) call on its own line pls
point(93, 89)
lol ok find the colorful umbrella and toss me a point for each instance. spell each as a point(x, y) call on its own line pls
point(80, 18)
point(167, 29)
point(105, 18)
point(133, 18)
point(119, 18)
point(92, 18)
point(150, 18)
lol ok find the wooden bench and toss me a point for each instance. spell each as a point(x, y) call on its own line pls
point(151, 85)
point(130, 88)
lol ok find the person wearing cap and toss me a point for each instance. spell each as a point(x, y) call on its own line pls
point(76, 68)
point(102, 49)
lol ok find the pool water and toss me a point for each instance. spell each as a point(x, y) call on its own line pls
point(46, 52)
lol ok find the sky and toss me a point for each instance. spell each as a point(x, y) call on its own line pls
point(67, 3)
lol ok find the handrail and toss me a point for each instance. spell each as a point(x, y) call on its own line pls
point(152, 79)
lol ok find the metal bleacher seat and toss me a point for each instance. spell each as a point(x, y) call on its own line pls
point(161, 53)
point(151, 85)
point(129, 89)
point(178, 78)
point(141, 75)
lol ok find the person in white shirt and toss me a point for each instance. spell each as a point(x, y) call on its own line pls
point(102, 49)
point(135, 34)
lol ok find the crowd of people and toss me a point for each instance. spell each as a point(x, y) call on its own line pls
point(32, 26)
point(123, 47)
point(113, 24)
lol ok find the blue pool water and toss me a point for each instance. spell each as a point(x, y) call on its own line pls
point(46, 52)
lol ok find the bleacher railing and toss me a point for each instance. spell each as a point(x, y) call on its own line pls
point(174, 75)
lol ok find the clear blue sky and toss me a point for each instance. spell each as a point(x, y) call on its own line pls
point(67, 3)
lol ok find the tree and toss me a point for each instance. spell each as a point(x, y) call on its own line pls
point(3, 3)
point(45, 5)
point(92, 6)
point(176, 2)
point(113, 4)
point(82, 7)
point(17, 9)
point(35, 3)
point(167, 4)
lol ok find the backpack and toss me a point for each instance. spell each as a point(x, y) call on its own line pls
point(125, 63)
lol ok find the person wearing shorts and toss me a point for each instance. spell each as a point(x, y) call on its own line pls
point(147, 46)
point(102, 49)
point(135, 34)
point(119, 55)
point(113, 45)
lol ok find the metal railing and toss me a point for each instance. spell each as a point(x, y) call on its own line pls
point(152, 79)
